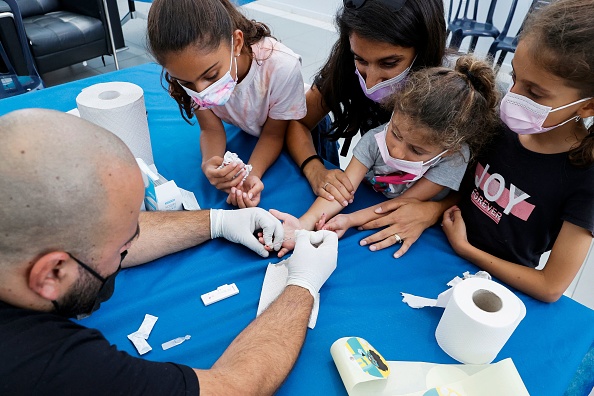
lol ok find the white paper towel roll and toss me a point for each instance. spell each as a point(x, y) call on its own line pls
point(119, 108)
point(478, 320)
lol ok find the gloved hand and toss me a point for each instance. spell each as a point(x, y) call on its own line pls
point(239, 226)
point(311, 266)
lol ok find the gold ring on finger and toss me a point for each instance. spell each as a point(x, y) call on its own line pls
point(325, 185)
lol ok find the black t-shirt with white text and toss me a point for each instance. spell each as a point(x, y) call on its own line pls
point(517, 200)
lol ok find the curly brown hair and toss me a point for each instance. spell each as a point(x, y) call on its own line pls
point(457, 106)
point(174, 25)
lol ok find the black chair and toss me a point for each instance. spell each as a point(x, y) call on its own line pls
point(462, 25)
point(505, 43)
point(23, 77)
point(65, 32)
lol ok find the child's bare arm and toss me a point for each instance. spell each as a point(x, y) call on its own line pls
point(422, 190)
point(213, 141)
point(355, 171)
point(269, 146)
point(270, 143)
point(568, 254)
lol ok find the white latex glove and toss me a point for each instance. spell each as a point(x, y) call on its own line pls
point(311, 266)
point(239, 226)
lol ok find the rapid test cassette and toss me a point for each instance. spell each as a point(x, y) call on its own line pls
point(219, 294)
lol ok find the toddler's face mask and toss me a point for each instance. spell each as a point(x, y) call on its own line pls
point(414, 169)
point(219, 92)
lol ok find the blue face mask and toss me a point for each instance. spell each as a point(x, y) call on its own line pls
point(83, 305)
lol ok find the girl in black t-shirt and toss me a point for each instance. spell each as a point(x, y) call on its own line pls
point(533, 191)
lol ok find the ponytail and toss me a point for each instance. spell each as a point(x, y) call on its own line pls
point(458, 106)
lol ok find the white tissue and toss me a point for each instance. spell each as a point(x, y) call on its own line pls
point(443, 298)
point(230, 157)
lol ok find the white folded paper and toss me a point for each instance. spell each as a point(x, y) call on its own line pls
point(275, 282)
point(443, 298)
point(365, 372)
point(140, 336)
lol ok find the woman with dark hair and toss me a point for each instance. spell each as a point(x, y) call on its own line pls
point(380, 42)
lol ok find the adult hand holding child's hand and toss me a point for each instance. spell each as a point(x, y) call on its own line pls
point(290, 225)
point(339, 224)
point(405, 217)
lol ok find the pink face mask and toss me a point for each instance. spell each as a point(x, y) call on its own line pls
point(525, 117)
point(219, 92)
point(383, 89)
point(413, 170)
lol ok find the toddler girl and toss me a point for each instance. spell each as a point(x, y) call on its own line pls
point(423, 151)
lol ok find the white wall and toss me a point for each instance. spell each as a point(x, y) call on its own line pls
point(326, 9)
point(582, 287)
point(317, 9)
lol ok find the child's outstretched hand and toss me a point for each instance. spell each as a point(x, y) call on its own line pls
point(455, 228)
point(225, 178)
point(247, 194)
point(339, 224)
point(290, 225)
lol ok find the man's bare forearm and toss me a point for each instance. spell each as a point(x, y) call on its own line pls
point(163, 233)
point(259, 359)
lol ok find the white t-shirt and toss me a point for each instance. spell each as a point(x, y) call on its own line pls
point(272, 88)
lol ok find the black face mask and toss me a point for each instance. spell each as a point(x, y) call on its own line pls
point(82, 304)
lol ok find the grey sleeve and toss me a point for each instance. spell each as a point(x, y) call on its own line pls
point(366, 150)
point(450, 170)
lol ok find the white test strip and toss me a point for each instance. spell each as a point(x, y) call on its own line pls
point(219, 294)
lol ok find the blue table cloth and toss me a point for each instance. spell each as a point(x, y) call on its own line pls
point(362, 298)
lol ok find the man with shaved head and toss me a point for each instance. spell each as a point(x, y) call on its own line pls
point(70, 197)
